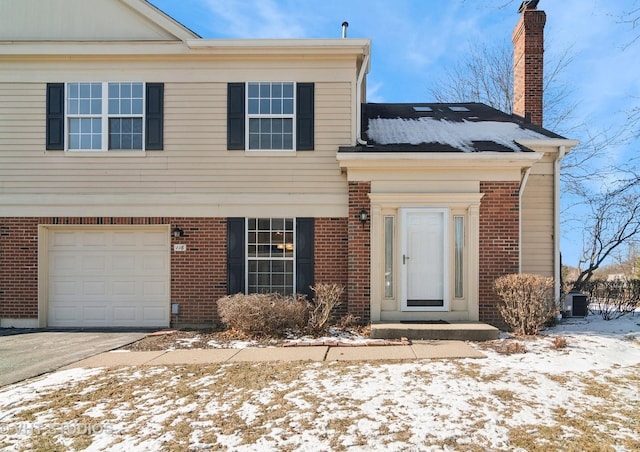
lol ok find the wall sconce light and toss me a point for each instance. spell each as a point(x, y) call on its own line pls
point(177, 232)
point(363, 216)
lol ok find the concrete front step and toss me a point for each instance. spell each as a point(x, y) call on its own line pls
point(435, 331)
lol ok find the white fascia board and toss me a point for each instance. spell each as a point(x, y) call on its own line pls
point(282, 46)
point(551, 142)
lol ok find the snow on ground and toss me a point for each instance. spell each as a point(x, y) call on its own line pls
point(583, 396)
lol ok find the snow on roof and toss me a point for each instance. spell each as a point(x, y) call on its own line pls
point(458, 134)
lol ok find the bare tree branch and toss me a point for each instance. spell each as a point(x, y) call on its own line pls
point(613, 220)
point(486, 76)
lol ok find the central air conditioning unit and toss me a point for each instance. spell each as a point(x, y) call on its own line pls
point(575, 305)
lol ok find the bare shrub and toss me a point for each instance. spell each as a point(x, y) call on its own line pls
point(327, 297)
point(613, 299)
point(559, 343)
point(527, 302)
point(271, 314)
point(510, 348)
point(349, 321)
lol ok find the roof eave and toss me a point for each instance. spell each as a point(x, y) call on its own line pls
point(433, 160)
point(550, 142)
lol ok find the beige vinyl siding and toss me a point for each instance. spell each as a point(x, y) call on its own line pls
point(194, 174)
point(537, 220)
point(22, 114)
point(77, 20)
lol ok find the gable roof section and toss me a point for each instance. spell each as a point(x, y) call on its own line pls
point(437, 127)
point(87, 21)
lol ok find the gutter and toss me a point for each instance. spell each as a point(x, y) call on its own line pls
point(556, 219)
point(363, 70)
point(523, 184)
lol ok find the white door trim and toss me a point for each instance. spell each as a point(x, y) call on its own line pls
point(405, 258)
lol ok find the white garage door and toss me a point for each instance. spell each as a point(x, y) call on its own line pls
point(108, 277)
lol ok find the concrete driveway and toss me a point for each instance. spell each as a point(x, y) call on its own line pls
point(26, 353)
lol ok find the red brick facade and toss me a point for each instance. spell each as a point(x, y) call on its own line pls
point(499, 242)
point(19, 268)
point(528, 56)
point(198, 276)
point(330, 252)
point(359, 261)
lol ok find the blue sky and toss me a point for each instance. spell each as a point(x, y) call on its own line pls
point(415, 41)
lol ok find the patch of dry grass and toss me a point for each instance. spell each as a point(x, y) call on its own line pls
point(505, 395)
point(559, 343)
point(250, 402)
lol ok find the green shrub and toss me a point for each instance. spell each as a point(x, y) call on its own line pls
point(527, 302)
point(271, 315)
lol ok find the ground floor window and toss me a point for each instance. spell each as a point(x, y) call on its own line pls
point(271, 255)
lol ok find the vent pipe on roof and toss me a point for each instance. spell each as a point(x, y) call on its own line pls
point(345, 25)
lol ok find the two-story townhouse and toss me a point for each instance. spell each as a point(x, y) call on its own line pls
point(146, 172)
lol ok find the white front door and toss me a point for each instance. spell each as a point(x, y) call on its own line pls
point(424, 259)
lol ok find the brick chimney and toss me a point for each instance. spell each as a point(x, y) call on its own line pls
point(528, 52)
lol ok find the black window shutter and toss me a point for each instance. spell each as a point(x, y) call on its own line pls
point(304, 256)
point(154, 120)
point(235, 116)
point(304, 116)
point(235, 255)
point(55, 117)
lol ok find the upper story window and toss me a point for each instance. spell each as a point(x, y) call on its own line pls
point(270, 116)
point(103, 116)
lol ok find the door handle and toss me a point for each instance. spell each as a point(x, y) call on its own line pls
point(405, 258)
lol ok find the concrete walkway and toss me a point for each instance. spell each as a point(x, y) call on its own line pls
point(417, 350)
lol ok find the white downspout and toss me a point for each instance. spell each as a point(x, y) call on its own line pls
point(556, 220)
point(363, 70)
point(523, 184)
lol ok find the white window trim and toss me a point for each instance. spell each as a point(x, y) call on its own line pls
point(249, 116)
point(246, 252)
point(104, 116)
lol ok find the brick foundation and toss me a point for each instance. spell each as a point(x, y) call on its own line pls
point(499, 243)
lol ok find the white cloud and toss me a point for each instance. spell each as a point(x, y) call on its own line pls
point(373, 91)
point(255, 19)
